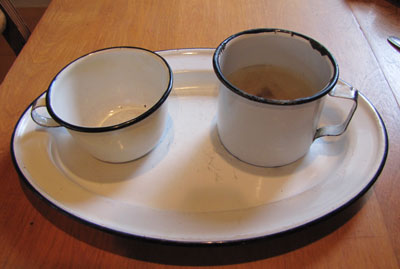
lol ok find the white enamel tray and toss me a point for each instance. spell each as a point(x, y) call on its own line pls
point(189, 189)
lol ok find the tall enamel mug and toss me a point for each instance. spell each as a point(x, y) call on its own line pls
point(273, 132)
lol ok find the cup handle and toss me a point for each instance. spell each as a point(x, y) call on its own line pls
point(346, 91)
point(41, 120)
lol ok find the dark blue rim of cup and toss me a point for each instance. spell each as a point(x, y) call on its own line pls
point(132, 121)
point(314, 44)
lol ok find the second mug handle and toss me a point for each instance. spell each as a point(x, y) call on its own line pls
point(346, 91)
point(42, 120)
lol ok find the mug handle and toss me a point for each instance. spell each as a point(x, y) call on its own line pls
point(42, 120)
point(345, 91)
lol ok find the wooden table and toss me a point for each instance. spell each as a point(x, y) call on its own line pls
point(367, 235)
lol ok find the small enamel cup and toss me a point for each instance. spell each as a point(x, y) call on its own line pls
point(269, 132)
point(112, 101)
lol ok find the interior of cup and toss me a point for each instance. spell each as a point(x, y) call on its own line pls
point(109, 87)
point(280, 48)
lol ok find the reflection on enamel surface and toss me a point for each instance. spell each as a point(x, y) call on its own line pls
point(122, 114)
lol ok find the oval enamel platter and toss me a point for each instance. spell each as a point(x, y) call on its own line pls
point(189, 189)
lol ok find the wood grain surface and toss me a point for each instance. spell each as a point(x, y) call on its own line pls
point(366, 235)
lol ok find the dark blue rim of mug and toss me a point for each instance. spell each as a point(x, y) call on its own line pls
point(132, 121)
point(314, 44)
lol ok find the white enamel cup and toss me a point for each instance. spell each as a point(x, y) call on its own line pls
point(267, 132)
point(112, 101)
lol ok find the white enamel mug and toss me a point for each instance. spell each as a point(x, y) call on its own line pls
point(112, 101)
point(270, 132)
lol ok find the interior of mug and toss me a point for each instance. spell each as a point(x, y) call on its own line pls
point(280, 48)
point(109, 87)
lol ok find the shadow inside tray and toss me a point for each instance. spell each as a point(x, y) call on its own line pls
point(171, 253)
point(75, 162)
